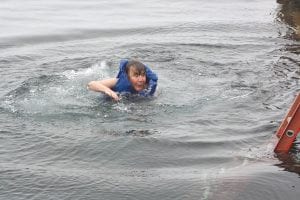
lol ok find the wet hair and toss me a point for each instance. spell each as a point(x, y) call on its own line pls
point(140, 67)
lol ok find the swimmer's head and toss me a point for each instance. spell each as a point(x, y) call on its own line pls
point(136, 72)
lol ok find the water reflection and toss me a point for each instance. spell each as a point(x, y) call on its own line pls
point(289, 13)
point(289, 161)
point(287, 71)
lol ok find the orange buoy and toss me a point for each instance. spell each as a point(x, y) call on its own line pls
point(289, 128)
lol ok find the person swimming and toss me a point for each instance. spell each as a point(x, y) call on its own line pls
point(133, 78)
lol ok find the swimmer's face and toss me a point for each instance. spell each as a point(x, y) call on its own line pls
point(137, 78)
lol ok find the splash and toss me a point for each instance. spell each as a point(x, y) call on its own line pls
point(56, 94)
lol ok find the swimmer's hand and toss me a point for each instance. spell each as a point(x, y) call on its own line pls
point(112, 94)
point(105, 86)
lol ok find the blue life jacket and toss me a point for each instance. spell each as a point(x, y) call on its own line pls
point(123, 85)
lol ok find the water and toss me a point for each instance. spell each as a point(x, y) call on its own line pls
point(228, 72)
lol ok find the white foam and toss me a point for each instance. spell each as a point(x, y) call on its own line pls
point(122, 107)
point(102, 69)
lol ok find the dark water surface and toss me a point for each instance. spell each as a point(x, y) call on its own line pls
point(228, 72)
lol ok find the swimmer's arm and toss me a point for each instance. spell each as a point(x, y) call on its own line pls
point(104, 86)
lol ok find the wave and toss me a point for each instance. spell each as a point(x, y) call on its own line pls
point(74, 34)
